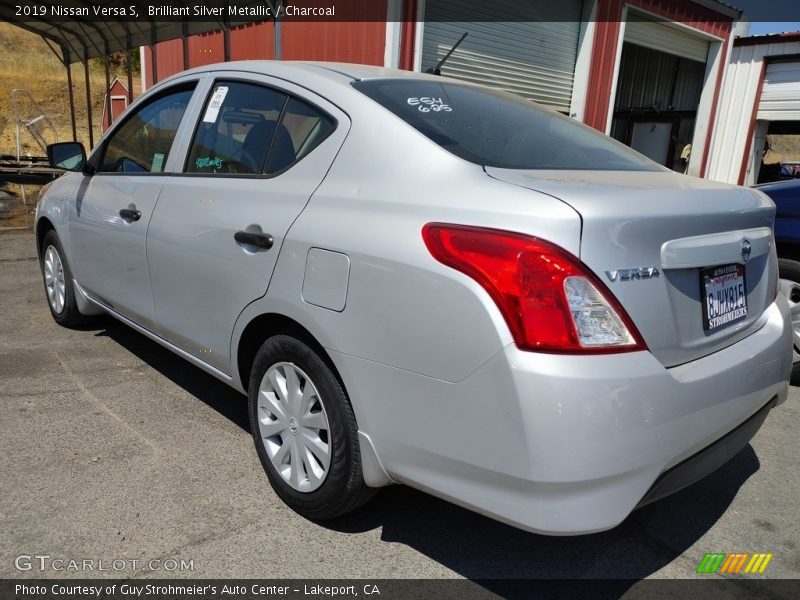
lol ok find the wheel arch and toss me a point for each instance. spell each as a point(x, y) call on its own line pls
point(43, 227)
point(264, 326)
point(788, 249)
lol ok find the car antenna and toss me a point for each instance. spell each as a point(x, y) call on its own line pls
point(437, 70)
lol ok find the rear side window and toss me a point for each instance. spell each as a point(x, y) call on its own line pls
point(142, 143)
point(252, 129)
point(496, 129)
point(304, 127)
point(236, 128)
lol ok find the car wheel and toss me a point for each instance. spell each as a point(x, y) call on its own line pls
point(58, 283)
point(790, 287)
point(305, 430)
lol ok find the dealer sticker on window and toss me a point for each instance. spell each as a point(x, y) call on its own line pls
point(214, 104)
point(426, 105)
point(724, 296)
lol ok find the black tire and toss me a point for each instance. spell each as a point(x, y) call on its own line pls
point(790, 269)
point(69, 316)
point(343, 488)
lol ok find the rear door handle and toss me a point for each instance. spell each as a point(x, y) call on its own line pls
point(130, 214)
point(262, 240)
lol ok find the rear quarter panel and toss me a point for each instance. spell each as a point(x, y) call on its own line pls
point(403, 308)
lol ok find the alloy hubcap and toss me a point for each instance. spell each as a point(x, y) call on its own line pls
point(294, 426)
point(54, 279)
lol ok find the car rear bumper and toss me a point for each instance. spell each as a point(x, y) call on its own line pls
point(568, 444)
point(708, 460)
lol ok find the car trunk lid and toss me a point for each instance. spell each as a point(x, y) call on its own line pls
point(663, 243)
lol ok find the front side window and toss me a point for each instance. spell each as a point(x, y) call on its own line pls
point(251, 129)
point(496, 129)
point(142, 143)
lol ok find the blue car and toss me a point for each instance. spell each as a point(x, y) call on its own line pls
point(786, 196)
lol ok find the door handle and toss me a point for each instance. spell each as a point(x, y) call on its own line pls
point(131, 214)
point(262, 240)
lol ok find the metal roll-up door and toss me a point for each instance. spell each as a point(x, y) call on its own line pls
point(666, 38)
point(780, 96)
point(533, 59)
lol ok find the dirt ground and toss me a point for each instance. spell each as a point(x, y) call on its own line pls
point(14, 212)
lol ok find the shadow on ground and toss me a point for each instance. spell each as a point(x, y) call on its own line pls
point(482, 549)
point(479, 548)
point(219, 396)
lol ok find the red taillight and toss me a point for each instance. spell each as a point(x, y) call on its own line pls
point(549, 300)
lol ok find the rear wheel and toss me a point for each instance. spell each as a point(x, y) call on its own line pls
point(58, 283)
point(790, 287)
point(305, 430)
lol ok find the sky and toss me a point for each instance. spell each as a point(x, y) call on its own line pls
point(765, 14)
point(761, 28)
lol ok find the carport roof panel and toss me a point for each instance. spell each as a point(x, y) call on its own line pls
point(768, 38)
point(97, 36)
point(101, 35)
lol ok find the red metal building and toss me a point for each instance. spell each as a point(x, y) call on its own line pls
point(647, 72)
point(116, 101)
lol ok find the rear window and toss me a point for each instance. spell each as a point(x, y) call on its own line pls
point(497, 129)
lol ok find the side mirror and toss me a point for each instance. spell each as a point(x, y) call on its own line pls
point(69, 156)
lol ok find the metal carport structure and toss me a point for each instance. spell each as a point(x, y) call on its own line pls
point(76, 39)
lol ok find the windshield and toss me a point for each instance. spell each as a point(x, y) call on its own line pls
point(496, 129)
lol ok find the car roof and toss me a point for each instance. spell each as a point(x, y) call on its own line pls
point(331, 80)
point(359, 72)
point(336, 71)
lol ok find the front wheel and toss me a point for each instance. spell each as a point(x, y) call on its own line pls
point(58, 283)
point(305, 431)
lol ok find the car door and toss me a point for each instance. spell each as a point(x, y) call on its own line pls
point(108, 220)
point(259, 150)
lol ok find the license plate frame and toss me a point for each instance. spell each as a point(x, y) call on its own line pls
point(723, 290)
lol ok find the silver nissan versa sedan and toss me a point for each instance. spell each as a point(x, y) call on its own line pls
point(422, 281)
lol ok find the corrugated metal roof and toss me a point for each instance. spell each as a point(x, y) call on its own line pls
point(96, 36)
point(81, 38)
point(721, 7)
point(767, 38)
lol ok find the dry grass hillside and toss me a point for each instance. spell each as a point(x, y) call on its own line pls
point(27, 62)
point(783, 148)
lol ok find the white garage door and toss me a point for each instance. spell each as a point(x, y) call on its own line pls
point(665, 37)
point(533, 59)
point(780, 96)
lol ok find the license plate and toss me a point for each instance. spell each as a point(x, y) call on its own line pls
point(724, 296)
